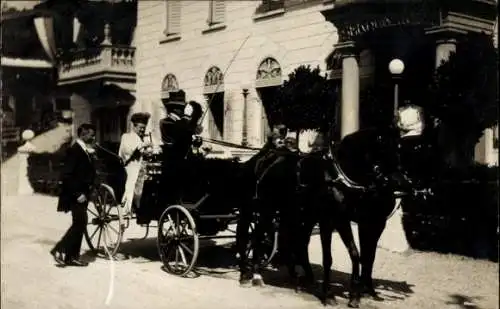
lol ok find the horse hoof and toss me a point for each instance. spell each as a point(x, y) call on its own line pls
point(258, 281)
point(353, 303)
point(330, 302)
point(245, 283)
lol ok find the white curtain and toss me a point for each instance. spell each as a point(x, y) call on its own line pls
point(44, 26)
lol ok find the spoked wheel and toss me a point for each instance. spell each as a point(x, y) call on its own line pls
point(270, 244)
point(178, 242)
point(104, 228)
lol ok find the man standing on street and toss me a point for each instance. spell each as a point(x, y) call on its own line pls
point(78, 177)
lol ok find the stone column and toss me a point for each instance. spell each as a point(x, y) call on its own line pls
point(444, 48)
point(233, 116)
point(254, 119)
point(446, 42)
point(350, 89)
point(244, 125)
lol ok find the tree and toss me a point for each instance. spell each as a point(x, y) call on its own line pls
point(305, 101)
point(463, 97)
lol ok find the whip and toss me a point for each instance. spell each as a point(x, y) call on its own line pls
point(220, 80)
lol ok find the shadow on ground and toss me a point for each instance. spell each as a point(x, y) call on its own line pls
point(463, 302)
point(340, 282)
point(220, 261)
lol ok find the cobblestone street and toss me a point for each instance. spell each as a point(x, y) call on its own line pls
point(31, 226)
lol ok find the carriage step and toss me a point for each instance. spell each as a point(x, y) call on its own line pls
point(221, 216)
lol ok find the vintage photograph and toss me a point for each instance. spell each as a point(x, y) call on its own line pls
point(231, 154)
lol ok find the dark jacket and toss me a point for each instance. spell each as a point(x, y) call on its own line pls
point(77, 177)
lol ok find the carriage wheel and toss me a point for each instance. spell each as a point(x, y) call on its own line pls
point(178, 242)
point(104, 228)
point(270, 244)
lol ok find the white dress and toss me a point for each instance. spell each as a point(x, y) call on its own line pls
point(129, 143)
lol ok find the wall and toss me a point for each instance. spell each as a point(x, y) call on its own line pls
point(299, 36)
point(81, 111)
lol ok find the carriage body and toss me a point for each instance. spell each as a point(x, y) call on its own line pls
point(209, 203)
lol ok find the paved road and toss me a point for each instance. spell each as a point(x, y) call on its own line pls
point(30, 227)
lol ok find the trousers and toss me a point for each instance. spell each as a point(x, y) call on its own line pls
point(71, 242)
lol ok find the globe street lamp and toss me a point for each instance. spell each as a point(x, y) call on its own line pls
point(396, 67)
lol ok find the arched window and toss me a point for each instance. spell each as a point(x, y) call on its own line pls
point(169, 84)
point(214, 81)
point(213, 89)
point(268, 73)
point(267, 81)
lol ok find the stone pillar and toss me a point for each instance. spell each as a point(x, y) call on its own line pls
point(233, 115)
point(24, 186)
point(350, 89)
point(244, 125)
point(446, 41)
point(444, 48)
point(254, 119)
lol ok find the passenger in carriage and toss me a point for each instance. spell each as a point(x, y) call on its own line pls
point(132, 146)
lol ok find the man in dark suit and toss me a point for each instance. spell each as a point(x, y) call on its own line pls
point(78, 177)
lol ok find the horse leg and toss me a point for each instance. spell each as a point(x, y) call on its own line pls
point(370, 230)
point(307, 280)
point(326, 231)
point(345, 232)
point(242, 242)
point(258, 248)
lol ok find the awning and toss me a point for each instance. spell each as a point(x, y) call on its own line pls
point(26, 63)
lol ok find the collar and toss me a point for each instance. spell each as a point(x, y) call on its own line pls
point(84, 146)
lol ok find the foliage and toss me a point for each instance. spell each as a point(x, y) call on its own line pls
point(463, 95)
point(305, 101)
point(461, 217)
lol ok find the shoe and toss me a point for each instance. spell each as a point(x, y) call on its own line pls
point(75, 262)
point(57, 255)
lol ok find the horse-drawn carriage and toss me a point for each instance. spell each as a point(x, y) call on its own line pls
point(212, 194)
point(197, 199)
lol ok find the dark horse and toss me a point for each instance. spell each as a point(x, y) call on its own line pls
point(296, 191)
point(316, 189)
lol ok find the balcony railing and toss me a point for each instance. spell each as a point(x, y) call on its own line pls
point(106, 61)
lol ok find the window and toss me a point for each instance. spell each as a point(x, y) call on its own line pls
point(216, 120)
point(267, 81)
point(214, 92)
point(216, 12)
point(169, 85)
point(173, 24)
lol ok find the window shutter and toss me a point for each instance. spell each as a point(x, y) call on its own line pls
point(173, 17)
point(217, 12)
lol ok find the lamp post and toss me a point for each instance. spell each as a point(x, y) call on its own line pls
point(396, 67)
point(244, 139)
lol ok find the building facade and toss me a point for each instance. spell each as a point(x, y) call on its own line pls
point(28, 80)
point(231, 55)
point(228, 55)
point(91, 45)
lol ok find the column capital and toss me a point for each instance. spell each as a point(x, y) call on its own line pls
point(445, 33)
point(347, 49)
